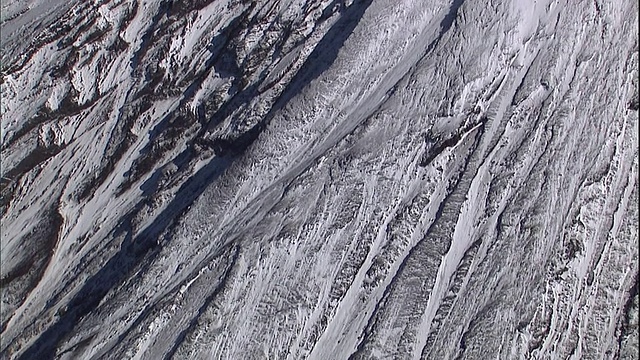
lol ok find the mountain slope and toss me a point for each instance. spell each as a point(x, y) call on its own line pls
point(319, 179)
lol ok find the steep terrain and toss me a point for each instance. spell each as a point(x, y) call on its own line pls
point(328, 179)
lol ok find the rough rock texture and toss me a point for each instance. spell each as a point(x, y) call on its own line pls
point(321, 179)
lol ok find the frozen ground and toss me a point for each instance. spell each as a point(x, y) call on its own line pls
point(329, 179)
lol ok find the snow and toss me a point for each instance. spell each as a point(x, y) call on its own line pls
point(293, 179)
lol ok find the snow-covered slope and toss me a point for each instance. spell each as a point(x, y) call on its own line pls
point(329, 179)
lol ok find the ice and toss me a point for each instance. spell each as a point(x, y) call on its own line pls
point(319, 179)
